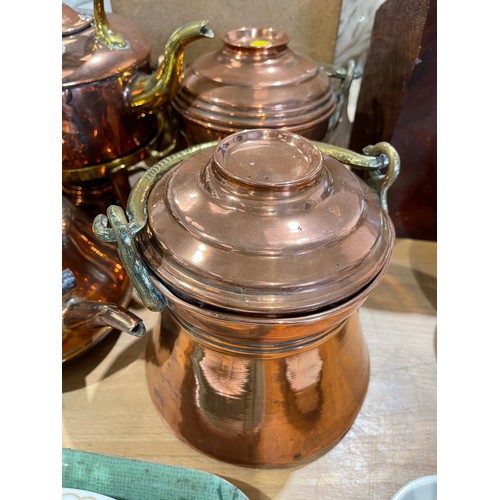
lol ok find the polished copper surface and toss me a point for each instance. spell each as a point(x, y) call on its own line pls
point(259, 250)
point(95, 187)
point(265, 224)
point(104, 107)
point(73, 21)
point(99, 278)
point(97, 122)
point(258, 393)
point(111, 98)
point(254, 81)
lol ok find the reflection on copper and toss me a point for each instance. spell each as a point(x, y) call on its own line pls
point(264, 250)
point(303, 370)
point(100, 278)
point(248, 84)
point(100, 123)
point(262, 408)
point(226, 376)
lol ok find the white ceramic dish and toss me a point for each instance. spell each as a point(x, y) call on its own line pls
point(76, 494)
point(422, 488)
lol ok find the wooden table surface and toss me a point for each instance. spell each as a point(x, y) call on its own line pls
point(107, 408)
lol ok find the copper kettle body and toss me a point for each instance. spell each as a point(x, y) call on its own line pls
point(96, 289)
point(114, 107)
point(259, 249)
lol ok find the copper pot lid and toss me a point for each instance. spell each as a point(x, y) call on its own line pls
point(255, 80)
point(265, 223)
point(87, 58)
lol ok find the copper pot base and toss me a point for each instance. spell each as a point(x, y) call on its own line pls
point(270, 411)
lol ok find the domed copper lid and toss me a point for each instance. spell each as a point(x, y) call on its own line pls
point(265, 224)
point(86, 58)
point(255, 81)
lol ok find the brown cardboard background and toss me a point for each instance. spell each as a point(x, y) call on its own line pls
point(311, 24)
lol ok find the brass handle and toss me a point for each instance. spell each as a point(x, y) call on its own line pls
point(123, 231)
point(130, 256)
point(103, 31)
point(374, 158)
point(347, 75)
point(341, 72)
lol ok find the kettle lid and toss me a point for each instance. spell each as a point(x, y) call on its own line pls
point(86, 58)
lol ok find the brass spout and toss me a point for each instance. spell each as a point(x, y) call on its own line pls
point(148, 92)
point(91, 314)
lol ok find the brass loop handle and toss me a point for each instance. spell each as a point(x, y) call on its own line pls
point(131, 257)
point(373, 159)
point(381, 182)
point(123, 231)
point(347, 75)
point(136, 207)
point(334, 71)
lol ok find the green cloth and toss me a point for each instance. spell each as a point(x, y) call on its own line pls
point(128, 479)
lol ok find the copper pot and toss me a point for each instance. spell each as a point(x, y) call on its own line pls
point(96, 290)
point(114, 107)
point(263, 247)
point(256, 81)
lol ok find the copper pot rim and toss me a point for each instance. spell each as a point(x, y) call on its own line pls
point(348, 304)
point(261, 39)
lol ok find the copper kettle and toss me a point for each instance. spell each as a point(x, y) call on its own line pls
point(259, 251)
point(96, 289)
point(114, 107)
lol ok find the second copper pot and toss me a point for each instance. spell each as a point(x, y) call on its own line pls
point(254, 81)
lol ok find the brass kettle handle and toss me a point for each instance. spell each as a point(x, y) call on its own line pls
point(103, 31)
point(123, 231)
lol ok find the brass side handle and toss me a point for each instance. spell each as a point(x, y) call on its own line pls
point(347, 74)
point(374, 158)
